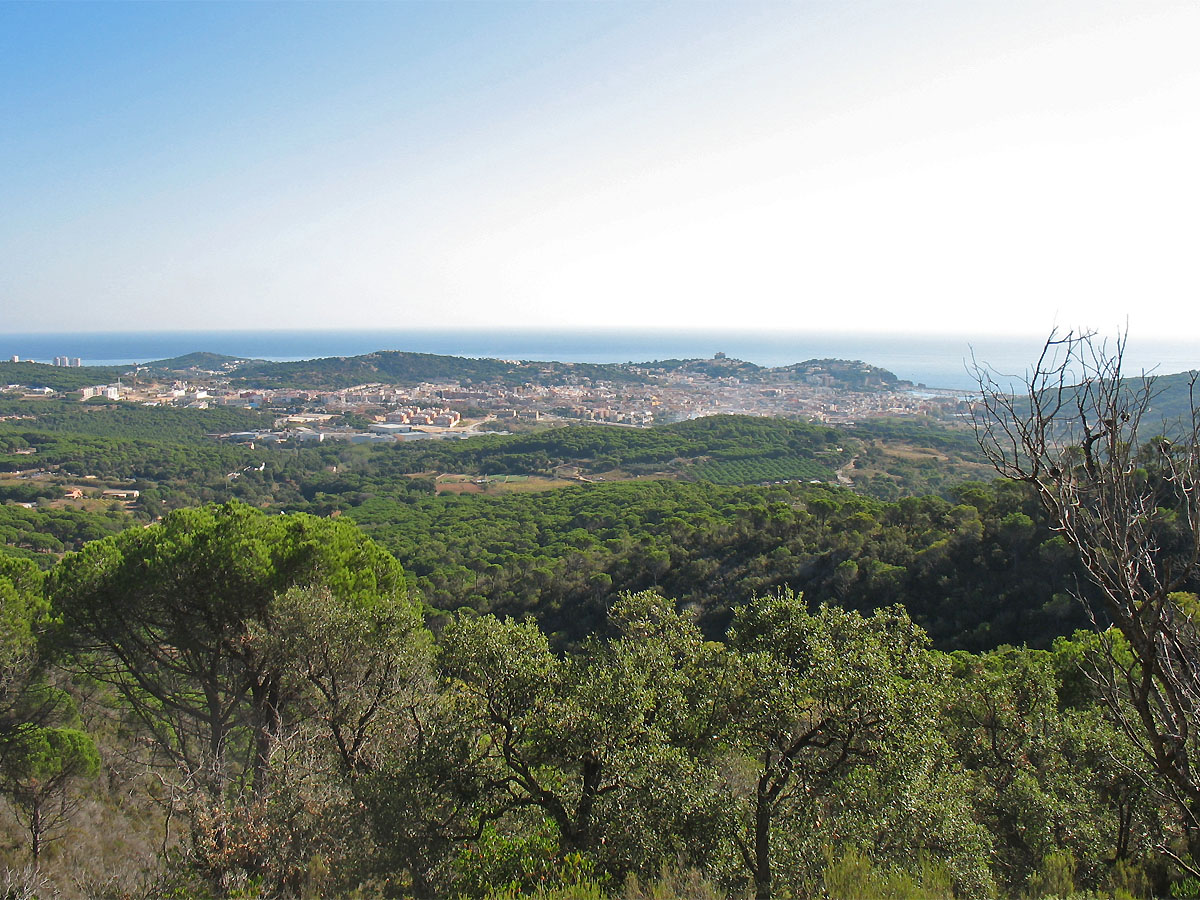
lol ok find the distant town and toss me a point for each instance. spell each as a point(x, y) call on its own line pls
point(635, 395)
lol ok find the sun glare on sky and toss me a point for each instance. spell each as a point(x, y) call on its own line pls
point(925, 167)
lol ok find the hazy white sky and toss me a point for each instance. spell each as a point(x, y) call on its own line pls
point(973, 168)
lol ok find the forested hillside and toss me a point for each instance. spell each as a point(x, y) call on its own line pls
point(697, 449)
point(58, 378)
point(974, 573)
point(400, 367)
point(405, 368)
point(235, 704)
point(721, 657)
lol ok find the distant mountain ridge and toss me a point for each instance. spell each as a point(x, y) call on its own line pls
point(404, 367)
point(1172, 397)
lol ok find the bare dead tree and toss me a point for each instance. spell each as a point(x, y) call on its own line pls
point(1125, 494)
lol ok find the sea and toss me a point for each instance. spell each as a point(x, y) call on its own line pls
point(934, 361)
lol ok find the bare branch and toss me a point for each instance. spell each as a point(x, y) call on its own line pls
point(1130, 508)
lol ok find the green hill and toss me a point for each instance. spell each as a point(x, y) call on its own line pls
point(58, 378)
point(406, 368)
point(203, 361)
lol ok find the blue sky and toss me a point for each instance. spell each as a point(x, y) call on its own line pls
point(923, 166)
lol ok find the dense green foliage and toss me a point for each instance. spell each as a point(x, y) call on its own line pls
point(405, 368)
point(58, 378)
point(684, 448)
point(202, 360)
point(810, 748)
point(169, 611)
point(127, 420)
point(757, 470)
point(40, 533)
point(1173, 399)
point(41, 755)
point(976, 573)
point(919, 433)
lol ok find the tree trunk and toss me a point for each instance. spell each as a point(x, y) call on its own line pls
point(35, 830)
point(762, 841)
point(265, 699)
point(421, 888)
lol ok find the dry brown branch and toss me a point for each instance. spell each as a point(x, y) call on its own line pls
point(1127, 499)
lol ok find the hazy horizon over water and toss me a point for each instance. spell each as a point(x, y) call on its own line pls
point(937, 361)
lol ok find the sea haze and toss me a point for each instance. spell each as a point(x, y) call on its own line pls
point(938, 361)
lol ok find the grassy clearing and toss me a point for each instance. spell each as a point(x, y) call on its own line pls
point(497, 484)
